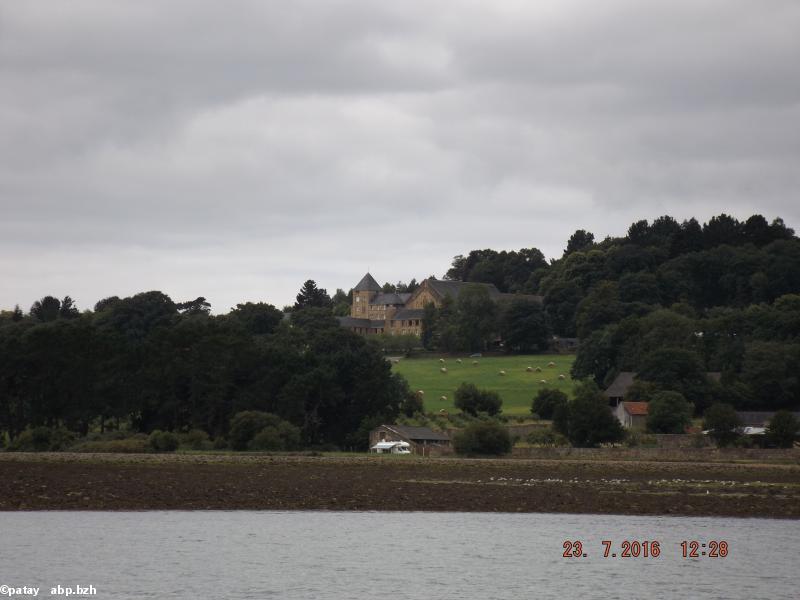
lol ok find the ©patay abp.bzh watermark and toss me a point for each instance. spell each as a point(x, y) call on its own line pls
point(29, 591)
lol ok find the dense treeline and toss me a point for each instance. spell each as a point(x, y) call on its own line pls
point(672, 301)
point(146, 363)
point(474, 322)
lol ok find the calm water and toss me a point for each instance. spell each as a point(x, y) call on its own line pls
point(327, 555)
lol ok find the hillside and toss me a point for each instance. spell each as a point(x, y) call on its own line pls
point(517, 387)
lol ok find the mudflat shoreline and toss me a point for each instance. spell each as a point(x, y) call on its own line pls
point(64, 481)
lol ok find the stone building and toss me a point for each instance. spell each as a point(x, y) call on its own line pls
point(421, 439)
point(374, 311)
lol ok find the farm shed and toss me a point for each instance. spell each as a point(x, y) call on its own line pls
point(632, 415)
point(421, 439)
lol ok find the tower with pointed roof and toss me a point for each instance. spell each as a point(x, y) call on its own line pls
point(363, 293)
point(375, 312)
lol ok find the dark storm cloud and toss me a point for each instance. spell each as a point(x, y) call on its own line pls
point(235, 150)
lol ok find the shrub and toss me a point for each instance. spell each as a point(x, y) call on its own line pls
point(163, 441)
point(42, 439)
point(722, 423)
point(133, 445)
point(668, 412)
point(546, 401)
point(545, 436)
point(245, 426)
point(483, 438)
point(783, 429)
point(267, 439)
point(195, 439)
point(472, 400)
point(586, 420)
point(220, 443)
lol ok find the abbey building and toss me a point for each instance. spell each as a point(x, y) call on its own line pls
point(374, 311)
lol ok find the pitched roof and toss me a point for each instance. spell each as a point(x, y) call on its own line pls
point(356, 322)
point(624, 380)
point(353, 322)
point(409, 313)
point(390, 298)
point(620, 384)
point(419, 433)
point(367, 284)
point(635, 408)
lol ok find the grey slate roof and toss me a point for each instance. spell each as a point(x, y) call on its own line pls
point(353, 322)
point(624, 380)
point(409, 313)
point(620, 385)
point(419, 433)
point(367, 284)
point(390, 298)
point(366, 323)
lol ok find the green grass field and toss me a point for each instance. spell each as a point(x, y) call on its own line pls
point(517, 387)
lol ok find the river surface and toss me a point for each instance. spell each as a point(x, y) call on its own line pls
point(413, 555)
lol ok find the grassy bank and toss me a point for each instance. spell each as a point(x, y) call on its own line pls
point(517, 387)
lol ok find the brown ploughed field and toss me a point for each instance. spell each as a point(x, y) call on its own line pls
point(262, 482)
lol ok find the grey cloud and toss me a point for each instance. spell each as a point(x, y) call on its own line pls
point(235, 150)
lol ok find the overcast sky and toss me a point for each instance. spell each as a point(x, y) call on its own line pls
point(234, 149)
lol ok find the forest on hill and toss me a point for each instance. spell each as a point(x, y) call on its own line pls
point(671, 301)
point(146, 363)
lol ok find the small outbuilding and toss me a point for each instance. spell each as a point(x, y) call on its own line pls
point(419, 439)
point(632, 415)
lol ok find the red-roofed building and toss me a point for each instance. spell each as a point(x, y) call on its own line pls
point(632, 415)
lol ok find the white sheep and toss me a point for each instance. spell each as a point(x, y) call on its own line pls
point(474, 363)
point(458, 360)
point(538, 369)
point(543, 381)
point(529, 369)
point(443, 369)
point(420, 392)
point(441, 360)
point(443, 399)
point(551, 364)
point(502, 373)
point(562, 377)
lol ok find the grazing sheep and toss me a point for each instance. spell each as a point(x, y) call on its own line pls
point(420, 393)
point(443, 412)
point(443, 369)
point(562, 377)
point(529, 369)
point(396, 361)
point(475, 363)
point(458, 360)
point(443, 399)
point(543, 381)
point(441, 360)
point(538, 369)
point(551, 364)
point(502, 373)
